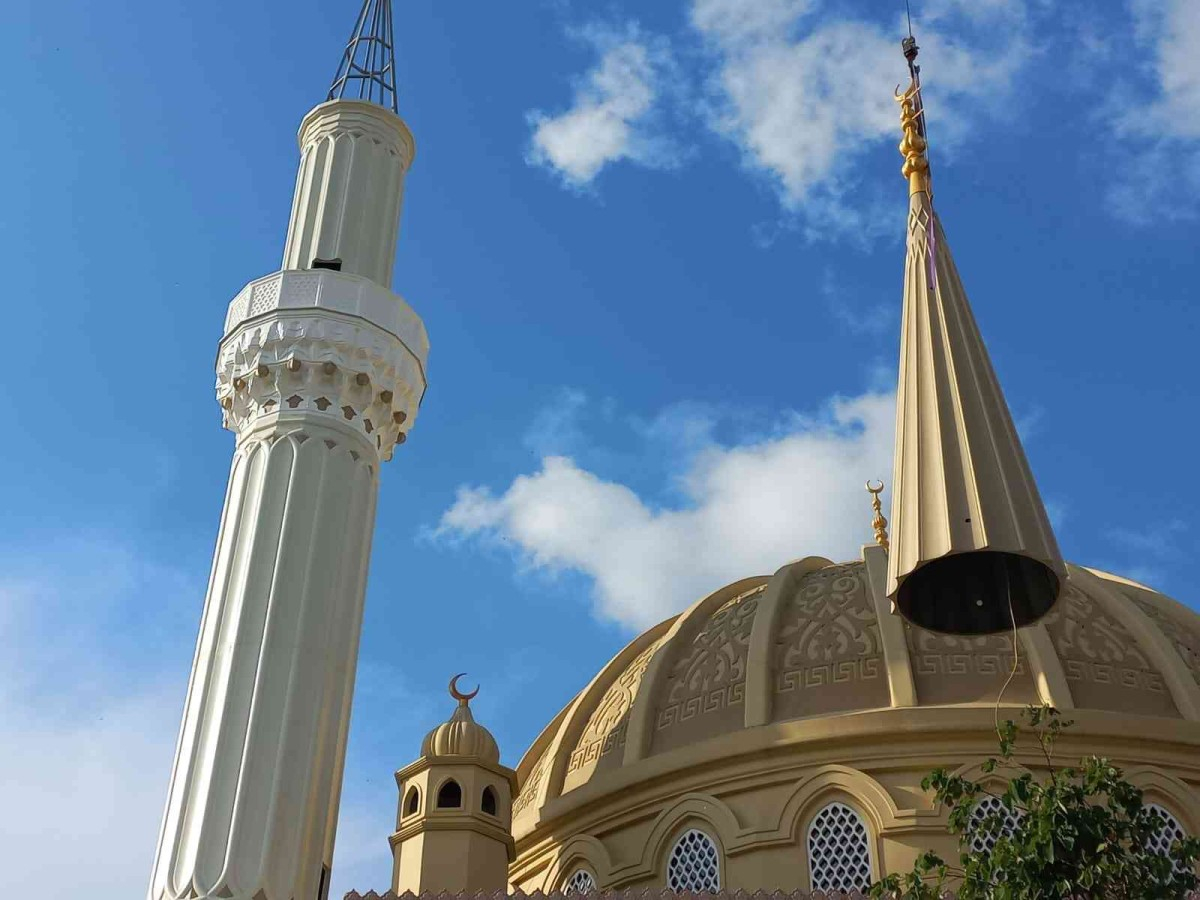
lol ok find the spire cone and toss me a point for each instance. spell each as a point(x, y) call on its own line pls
point(972, 550)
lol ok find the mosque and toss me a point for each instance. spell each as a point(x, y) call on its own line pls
point(772, 736)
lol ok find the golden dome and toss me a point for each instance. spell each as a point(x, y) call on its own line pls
point(809, 668)
point(461, 735)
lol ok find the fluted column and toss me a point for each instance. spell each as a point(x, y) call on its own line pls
point(319, 375)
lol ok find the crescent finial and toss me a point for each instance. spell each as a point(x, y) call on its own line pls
point(462, 698)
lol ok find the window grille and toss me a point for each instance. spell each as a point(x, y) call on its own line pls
point(839, 851)
point(581, 882)
point(693, 865)
point(984, 842)
point(1170, 832)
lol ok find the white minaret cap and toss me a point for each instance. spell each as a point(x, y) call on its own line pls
point(972, 549)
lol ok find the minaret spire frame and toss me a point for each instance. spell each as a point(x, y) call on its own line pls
point(368, 67)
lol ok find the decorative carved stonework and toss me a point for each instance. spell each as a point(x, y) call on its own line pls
point(828, 654)
point(605, 730)
point(707, 684)
point(533, 784)
point(325, 344)
point(1103, 663)
point(966, 669)
point(1185, 641)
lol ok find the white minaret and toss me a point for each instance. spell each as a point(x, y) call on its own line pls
point(319, 374)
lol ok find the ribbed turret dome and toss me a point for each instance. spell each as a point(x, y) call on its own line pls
point(461, 736)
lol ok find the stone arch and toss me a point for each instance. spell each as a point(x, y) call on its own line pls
point(581, 851)
point(832, 782)
point(1169, 792)
point(702, 811)
point(974, 771)
point(449, 789)
point(412, 801)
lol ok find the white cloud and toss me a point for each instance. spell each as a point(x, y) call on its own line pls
point(746, 508)
point(613, 113)
point(92, 680)
point(1157, 121)
point(803, 90)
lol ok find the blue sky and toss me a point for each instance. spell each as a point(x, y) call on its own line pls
point(658, 249)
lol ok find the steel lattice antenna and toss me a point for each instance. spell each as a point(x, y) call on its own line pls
point(368, 67)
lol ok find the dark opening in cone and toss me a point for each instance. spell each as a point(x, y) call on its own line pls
point(969, 593)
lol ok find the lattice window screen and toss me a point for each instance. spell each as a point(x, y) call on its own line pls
point(693, 865)
point(1171, 832)
point(581, 882)
point(839, 851)
point(992, 806)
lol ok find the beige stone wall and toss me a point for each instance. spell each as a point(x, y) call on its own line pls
point(757, 799)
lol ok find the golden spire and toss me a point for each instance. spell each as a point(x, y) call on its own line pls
point(879, 523)
point(913, 146)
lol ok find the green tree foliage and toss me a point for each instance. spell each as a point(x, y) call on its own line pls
point(1082, 831)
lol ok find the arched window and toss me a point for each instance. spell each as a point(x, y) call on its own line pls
point(581, 882)
point(839, 850)
point(1170, 832)
point(449, 795)
point(1009, 820)
point(412, 802)
point(488, 802)
point(693, 865)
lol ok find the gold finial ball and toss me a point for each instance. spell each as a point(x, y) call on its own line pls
point(879, 523)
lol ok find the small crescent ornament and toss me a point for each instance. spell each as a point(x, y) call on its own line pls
point(457, 694)
point(874, 490)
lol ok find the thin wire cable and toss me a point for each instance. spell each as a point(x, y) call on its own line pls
point(1016, 652)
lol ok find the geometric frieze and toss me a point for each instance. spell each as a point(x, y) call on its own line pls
point(827, 654)
point(706, 686)
point(1105, 667)
point(967, 669)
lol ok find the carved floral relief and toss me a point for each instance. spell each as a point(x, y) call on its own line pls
point(828, 653)
point(1105, 667)
point(711, 676)
point(605, 730)
point(1185, 641)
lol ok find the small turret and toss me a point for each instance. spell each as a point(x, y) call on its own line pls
point(454, 822)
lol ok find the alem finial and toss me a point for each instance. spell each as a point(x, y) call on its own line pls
point(463, 699)
point(913, 146)
point(879, 523)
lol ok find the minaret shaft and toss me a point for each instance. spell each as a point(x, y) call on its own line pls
point(260, 751)
point(320, 375)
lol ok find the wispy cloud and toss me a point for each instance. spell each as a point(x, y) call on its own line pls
point(1154, 115)
point(88, 722)
point(615, 110)
point(744, 508)
point(803, 89)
